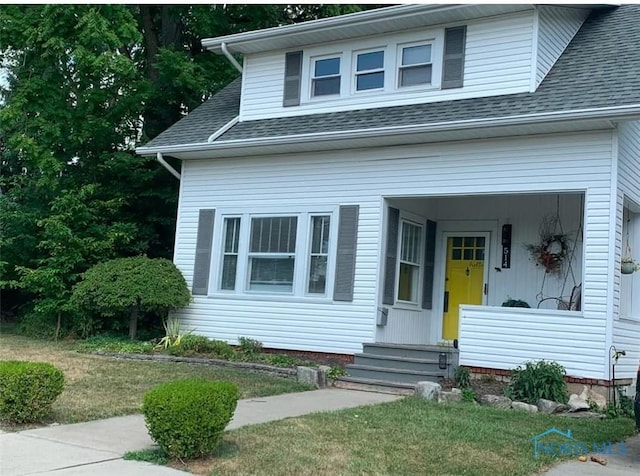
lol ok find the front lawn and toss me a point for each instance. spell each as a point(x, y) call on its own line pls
point(407, 437)
point(99, 387)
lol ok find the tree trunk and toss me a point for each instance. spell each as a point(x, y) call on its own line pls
point(133, 324)
point(58, 325)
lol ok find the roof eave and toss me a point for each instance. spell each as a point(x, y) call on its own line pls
point(626, 112)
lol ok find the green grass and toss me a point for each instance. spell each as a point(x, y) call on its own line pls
point(410, 436)
point(101, 387)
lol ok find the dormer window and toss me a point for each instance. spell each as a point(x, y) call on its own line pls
point(326, 76)
point(415, 66)
point(370, 70)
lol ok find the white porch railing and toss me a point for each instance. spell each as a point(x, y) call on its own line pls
point(505, 337)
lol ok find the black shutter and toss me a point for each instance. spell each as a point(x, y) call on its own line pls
point(453, 61)
point(292, 78)
point(202, 262)
point(346, 253)
point(429, 265)
point(391, 257)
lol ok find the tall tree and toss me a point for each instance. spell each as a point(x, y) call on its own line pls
point(86, 84)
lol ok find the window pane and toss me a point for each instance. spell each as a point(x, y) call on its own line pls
point(373, 60)
point(480, 254)
point(327, 67)
point(408, 283)
point(456, 254)
point(469, 241)
point(326, 86)
point(229, 265)
point(320, 234)
point(232, 234)
point(273, 235)
point(411, 238)
point(468, 253)
point(415, 75)
point(480, 241)
point(416, 55)
point(317, 274)
point(370, 81)
point(271, 274)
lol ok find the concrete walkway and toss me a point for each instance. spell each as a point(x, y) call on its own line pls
point(96, 448)
point(620, 463)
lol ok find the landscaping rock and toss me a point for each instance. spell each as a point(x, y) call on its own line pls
point(322, 376)
point(428, 390)
point(524, 406)
point(589, 395)
point(497, 401)
point(455, 395)
point(577, 404)
point(549, 406)
point(308, 375)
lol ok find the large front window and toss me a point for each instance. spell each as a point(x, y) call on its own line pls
point(272, 251)
point(409, 263)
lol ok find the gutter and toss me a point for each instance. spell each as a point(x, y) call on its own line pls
point(166, 165)
point(618, 112)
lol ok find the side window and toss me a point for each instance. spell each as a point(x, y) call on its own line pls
point(230, 253)
point(319, 254)
point(415, 65)
point(326, 77)
point(369, 70)
point(272, 248)
point(409, 262)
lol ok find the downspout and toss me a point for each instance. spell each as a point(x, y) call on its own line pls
point(166, 165)
point(232, 60)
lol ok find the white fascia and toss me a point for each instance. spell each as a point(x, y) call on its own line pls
point(617, 113)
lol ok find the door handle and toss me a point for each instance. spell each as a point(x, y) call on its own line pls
point(446, 301)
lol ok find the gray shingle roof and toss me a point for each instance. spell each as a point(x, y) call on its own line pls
point(204, 120)
point(600, 68)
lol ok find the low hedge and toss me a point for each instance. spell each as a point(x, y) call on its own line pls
point(28, 389)
point(187, 418)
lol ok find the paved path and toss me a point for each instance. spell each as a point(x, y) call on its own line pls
point(627, 464)
point(96, 448)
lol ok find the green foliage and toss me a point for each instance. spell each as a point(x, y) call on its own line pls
point(37, 325)
point(173, 337)
point(469, 395)
point(186, 418)
point(249, 347)
point(116, 345)
point(462, 377)
point(624, 406)
point(131, 285)
point(155, 456)
point(336, 372)
point(282, 360)
point(223, 350)
point(28, 389)
point(515, 303)
point(541, 379)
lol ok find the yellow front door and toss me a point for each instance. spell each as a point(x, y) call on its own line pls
point(464, 279)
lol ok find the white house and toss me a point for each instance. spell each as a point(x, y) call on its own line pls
point(394, 176)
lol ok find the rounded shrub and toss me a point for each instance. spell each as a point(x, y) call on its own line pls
point(536, 380)
point(186, 418)
point(28, 389)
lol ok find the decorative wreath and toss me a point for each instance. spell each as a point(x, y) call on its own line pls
point(551, 252)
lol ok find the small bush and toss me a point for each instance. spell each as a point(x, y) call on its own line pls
point(223, 350)
point(515, 303)
point(469, 395)
point(538, 380)
point(186, 418)
point(249, 347)
point(28, 389)
point(462, 377)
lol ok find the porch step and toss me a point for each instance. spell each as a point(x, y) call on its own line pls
point(428, 352)
point(372, 385)
point(395, 375)
point(395, 362)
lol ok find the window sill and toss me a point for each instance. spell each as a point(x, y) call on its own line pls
point(634, 319)
point(407, 306)
point(271, 298)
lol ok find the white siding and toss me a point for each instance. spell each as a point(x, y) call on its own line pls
point(525, 164)
point(498, 60)
point(556, 27)
point(626, 329)
point(502, 338)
